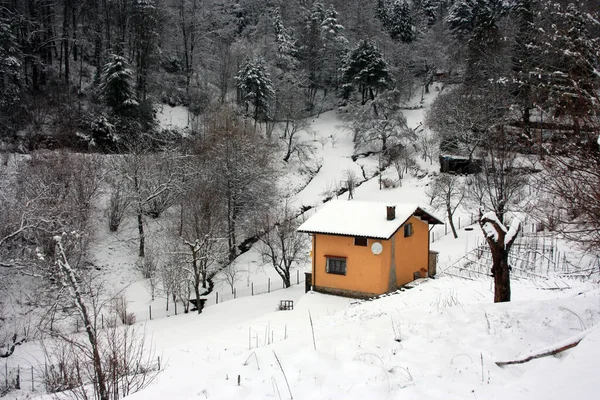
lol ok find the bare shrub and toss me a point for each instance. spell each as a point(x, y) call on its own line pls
point(149, 267)
point(130, 319)
point(119, 307)
point(117, 205)
point(387, 183)
point(128, 361)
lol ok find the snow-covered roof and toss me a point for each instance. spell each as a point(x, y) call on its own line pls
point(362, 218)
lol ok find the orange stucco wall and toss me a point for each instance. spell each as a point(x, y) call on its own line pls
point(364, 270)
point(412, 253)
point(368, 273)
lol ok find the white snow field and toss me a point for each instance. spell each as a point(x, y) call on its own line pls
point(438, 340)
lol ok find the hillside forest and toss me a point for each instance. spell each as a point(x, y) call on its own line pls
point(516, 88)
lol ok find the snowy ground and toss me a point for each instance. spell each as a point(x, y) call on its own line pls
point(438, 340)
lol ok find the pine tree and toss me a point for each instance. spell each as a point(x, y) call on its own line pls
point(400, 24)
point(382, 11)
point(335, 45)
point(430, 9)
point(286, 46)
point(570, 76)
point(255, 88)
point(116, 87)
point(523, 60)
point(366, 70)
point(10, 65)
point(311, 52)
point(478, 23)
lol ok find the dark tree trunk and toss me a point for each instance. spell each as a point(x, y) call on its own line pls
point(65, 38)
point(451, 221)
point(500, 248)
point(197, 278)
point(140, 219)
point(501, 274)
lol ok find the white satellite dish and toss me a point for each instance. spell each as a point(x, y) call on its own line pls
point(376, 248)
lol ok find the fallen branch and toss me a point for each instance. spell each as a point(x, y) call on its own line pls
point(550, 350)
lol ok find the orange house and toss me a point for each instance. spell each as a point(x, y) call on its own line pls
point(363, 249)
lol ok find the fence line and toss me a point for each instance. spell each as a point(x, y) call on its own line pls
point(249, 288)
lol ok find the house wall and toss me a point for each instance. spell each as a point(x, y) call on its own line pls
point(366, 273)
point(412, 253)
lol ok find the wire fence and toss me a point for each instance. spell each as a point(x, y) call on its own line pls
point(252, 289)
point(535, 255)
point(33, 378)
point(247, 289)
point(439, 231)
point(41, 378)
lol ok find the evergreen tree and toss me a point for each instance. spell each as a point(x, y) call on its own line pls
point(382, 12)
point(478, 23)
point(10, 65)
point(116, 87)
point(570, 78)
point(366, 70)
point(255, 88)
point(335, 45)
point(401, 25)
point(286, 46)
point(312, 51)
point(146, 25)
point(523, 60)
point(430, 8)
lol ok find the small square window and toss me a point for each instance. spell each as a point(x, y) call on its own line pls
point(336, 265)
point(408, 230)
point(360, 241)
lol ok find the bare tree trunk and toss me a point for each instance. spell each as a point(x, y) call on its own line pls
point(451, 221)
point(140, 219)
point(71, 281)
point(501, 274)
point(500, 247)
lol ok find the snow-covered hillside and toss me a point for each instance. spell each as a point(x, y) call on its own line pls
point(440, 339)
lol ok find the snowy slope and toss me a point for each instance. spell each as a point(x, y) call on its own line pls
point(437, 340)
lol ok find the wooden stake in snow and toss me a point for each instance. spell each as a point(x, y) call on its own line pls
point(284, 376)
point(312, 328)
point(550, 350)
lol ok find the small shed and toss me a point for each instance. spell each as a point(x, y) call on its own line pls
point(459, 164)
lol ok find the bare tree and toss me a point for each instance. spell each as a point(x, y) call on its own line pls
point(465, 118)
point(447, 192)
point(499, 186)
point(231, 274)
point(351, 182)
point(112, 361)
point(570, 195)
point(241, 163)
point(154, 181)
point(118, 203)
point(402, 158)
point(70, 283)
point(428, 143)
point(379, 124)
point(279, 243)
point(500, 240)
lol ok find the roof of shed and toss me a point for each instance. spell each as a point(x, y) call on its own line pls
point(362, 218)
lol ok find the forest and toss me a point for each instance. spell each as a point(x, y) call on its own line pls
point(81, 83)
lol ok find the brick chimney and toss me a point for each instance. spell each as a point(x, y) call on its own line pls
point(391, 213)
